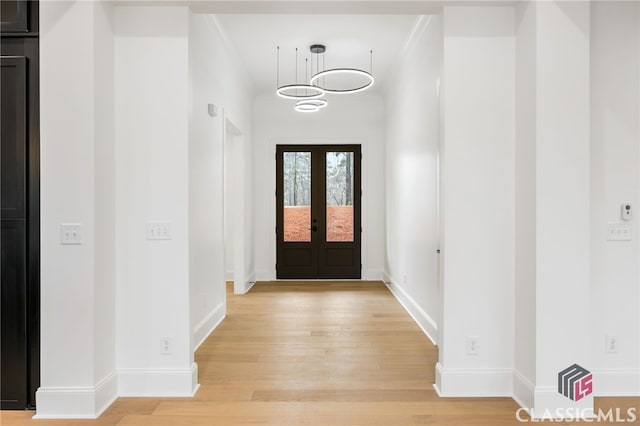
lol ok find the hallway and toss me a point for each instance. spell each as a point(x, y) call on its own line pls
point(318, 353)
point(311, 353)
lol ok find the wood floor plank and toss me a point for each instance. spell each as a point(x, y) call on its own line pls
point(324, 408)
point(312, 353)
point(360, 395)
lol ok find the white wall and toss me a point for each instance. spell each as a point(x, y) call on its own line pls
point(553, 257)
point(615, 136)
point(525, 207)
point(576, 128)
point(77, 165)
point(478, 159)
point(239, 196)
point(216, 78)
point(354, 119)
point(562, 179)
point(206, 249)
point(152, 184)
point(248, 215)
point(412, 145)
point(126, 140)
point(105, 213)
point(228, 211)
point(114, 163)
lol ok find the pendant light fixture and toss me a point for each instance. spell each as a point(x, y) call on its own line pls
point(296, 91)
point(310, 105)
point(319, 78)
point(309, 93)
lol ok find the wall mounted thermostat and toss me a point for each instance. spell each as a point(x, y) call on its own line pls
point(626, 211)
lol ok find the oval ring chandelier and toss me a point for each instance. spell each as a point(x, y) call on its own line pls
point(292, 91)
point(310, 105)
point(319, 78)
point(337, 71)
point(308, 94)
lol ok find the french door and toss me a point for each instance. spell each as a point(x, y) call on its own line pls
point(318, 223)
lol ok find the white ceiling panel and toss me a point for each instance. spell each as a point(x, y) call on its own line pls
point(348, 38)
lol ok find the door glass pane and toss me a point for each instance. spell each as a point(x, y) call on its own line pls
point(297, 196)
point(339, 196)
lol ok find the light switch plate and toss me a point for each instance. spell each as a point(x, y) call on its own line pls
point(70, 233)
point(158, 230)
point(618, 231)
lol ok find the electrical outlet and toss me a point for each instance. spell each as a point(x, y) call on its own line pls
point(159, 230)
point(70, 233)
point(618, 231)
point(472, 345)
point(166, 345)
point(611, 344)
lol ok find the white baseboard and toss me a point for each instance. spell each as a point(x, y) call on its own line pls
point(251, 280)
point(76, 402)
point(161, 382)
point(250, 286)
point(424, 321)
point(228, 276)
point(244, 287)
point(473, 382)
point(208, 324)
point(373, 275)
point(265, 275)
point(549, 404)
point(616, 382)
point(523, 390)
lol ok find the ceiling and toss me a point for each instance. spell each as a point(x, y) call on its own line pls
point(348, 38)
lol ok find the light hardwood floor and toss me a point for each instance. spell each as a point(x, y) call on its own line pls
point(316, 353)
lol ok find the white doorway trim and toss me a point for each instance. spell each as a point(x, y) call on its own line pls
point(235, 188)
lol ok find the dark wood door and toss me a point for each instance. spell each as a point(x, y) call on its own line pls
point(13, 218)
point(318, 211)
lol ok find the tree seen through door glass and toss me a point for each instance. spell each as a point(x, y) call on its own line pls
point(297, 196)
point(340, 196)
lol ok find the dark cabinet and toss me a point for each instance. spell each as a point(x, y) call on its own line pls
point(14, 138)
point(14, 16)
point(13, 364)
point(19, 205)
point(13, 237)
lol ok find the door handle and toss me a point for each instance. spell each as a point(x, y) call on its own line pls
point(314, 228)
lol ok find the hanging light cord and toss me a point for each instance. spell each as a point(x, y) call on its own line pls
point(324, 82)
point(306, 74)
point(278, 69)
point(371, 62)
